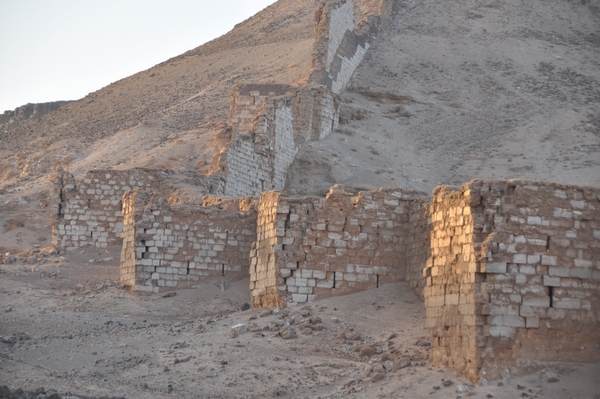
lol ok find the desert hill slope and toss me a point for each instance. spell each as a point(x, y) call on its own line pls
point(456, 90)
point(178, 95)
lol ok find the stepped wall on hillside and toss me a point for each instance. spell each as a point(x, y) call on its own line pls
point(340, 43)
point(267, 126)
point(514, 276)
point(268, 123)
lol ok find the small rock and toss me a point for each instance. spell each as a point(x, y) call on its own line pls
point(265, 313)
point(377, 377)
point(520, 387)
point(388, 365)
point(353, 336)
point(335, 320)
point(245, 306)
point(275, 311)
point(306, 331)
point(447, 383)
point(9, 309)
point(552, 377)
point(462, 388)
point(169, 294)
point(239, 328)
point(366, 350)
point(288, 333)
point(436, 388)
point(401, 363)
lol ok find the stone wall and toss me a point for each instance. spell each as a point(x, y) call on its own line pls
point(312, 247)
point(340, 43)
point(514, 276)
point(264, 279)
point(269, 122)
point(89, 212)
point(169, 246)
point(267, 126)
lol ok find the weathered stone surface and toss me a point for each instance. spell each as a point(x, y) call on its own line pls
point(503, 269)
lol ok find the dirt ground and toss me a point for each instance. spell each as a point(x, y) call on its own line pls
point(66, 325)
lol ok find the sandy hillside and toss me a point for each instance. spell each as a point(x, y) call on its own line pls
point(182, 94)
point(456, 90)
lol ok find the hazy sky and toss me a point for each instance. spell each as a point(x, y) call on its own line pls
point(64, 49)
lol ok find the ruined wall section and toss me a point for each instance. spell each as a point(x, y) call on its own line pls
point(265, 282)
point(268, 124)
point(345, 243)
point(453, 316)
point(175, 246)
point(514, 276)
point(340, 43)
point(89, 212)
point(132, 211)
point(418, 245)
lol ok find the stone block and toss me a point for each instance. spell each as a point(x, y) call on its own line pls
point(532, 322)
point(551, 281)
point(536, 301)
point(568, 303)
point(519, 258)
point(300, 298)
point(582, 273)
point(559, 271)
point(499, 267)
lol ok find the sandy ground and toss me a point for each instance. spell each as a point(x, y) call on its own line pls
point(66, 325)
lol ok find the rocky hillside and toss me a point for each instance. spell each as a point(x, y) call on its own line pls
point(456, 90)
point(26, 113)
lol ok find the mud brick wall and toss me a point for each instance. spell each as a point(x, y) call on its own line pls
point(89, 212)
point(174, 246)
point(312, 247)
point(514, 276)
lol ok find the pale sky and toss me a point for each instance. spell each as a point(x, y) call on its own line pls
point(64, 49)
